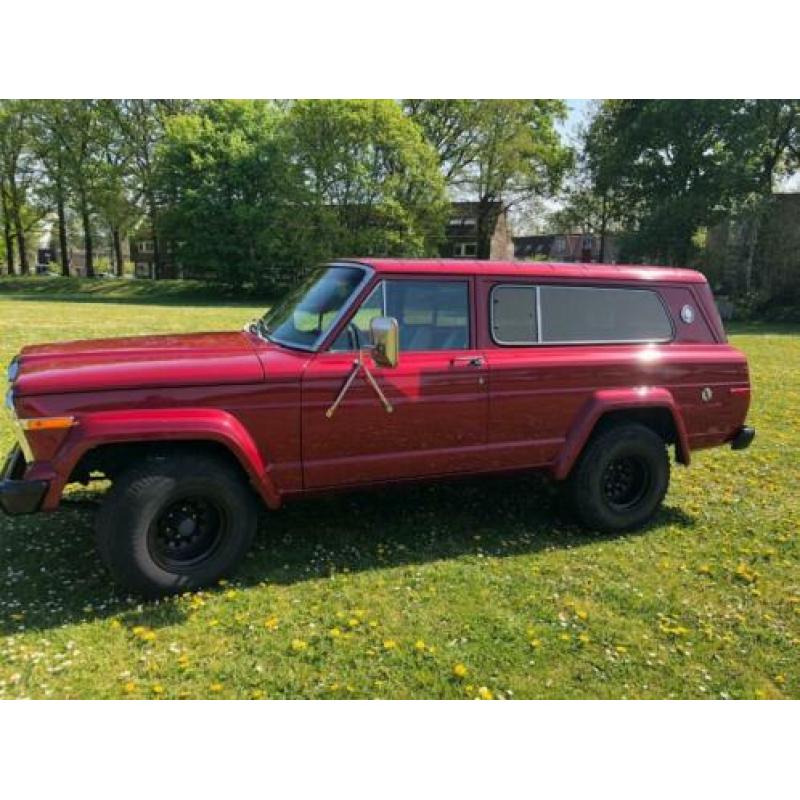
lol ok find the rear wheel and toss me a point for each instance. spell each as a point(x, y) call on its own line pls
point(175, 523)
point(620, 479)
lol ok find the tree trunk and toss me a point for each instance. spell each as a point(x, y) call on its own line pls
point(117, 251)
point(601, 256)
point(63, 252)
point(7, 237)
point(87, 242)
point(23, 254)
point(153, 214)
point(486, 222)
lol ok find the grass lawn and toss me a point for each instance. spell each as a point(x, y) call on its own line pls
point(448, 591)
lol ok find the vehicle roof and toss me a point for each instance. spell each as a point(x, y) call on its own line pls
point(533, 269)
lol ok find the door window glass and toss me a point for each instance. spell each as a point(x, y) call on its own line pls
point(433, 315)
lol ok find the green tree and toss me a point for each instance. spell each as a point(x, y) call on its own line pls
point(255, 191)
point(500, 153)
point(50, 136)
point(19, 179)
point(142, 125)
point(676, 166)
point(369, 182)
point(216, 176)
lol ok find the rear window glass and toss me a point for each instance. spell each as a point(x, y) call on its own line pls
point(588, 314)
point(577, 314)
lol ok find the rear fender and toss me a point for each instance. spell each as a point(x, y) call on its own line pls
point(155, 425)
point(614, 400)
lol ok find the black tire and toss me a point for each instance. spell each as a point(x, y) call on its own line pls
point(620, 479)
point(175, 523)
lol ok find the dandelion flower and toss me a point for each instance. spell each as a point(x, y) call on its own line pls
point(299, 645)
point(353, 622)
point(536, 643)
point(419, 645)
point(460, 671)
point(485, 694)
point(216, 687)
point(271, 623)
point(157, 688)
point(335, 632)
point(129, 687)
point(389, 644)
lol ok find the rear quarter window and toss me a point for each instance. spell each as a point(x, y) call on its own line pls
point(528, 314)
point(592, 314)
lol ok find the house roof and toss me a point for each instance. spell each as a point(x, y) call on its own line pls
point(535, 269)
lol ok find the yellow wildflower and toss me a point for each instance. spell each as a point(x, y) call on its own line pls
point(215, 687)
point(389, 644)
point(271, 623)
point(115, 623)
point(536, 643)
point(212, 623)
point(584, 638)
point(299, 644)
point(231, 593)
point(353, 622)
point(419, 645)
point(460, 671)
point(335, 632)
point(485, 694)
point(157, 688)
point(257, 695)
point(129, 687)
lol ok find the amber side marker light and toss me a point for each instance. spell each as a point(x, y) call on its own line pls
point(47, 423)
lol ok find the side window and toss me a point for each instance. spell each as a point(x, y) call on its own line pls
point(589, 314)
point(371, 307)
point(513, 314)
point(433, 315)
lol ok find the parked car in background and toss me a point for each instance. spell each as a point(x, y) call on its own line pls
point(376, 371)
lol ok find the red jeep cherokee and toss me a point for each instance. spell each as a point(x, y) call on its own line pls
point(374, 371)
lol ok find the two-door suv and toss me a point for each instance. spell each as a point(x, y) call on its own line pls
point(375, 371)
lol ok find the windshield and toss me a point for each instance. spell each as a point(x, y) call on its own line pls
point(309, 311)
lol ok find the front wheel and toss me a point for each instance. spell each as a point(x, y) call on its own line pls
point(620, 479)
point(175, 523)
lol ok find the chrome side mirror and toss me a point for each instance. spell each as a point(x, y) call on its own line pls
point(385, 334)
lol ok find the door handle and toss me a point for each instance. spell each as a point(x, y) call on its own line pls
point(468, 361)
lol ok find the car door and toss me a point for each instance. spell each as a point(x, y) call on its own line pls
point(438, 391)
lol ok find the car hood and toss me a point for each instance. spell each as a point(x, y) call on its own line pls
point(139, 361)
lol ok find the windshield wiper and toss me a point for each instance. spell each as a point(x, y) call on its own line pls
point(259, 328)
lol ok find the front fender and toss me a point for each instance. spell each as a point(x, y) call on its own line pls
point(607, 400)
point(153, 425)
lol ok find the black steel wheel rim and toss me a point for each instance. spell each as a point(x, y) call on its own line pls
point(625, 482)
point(186, 533)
